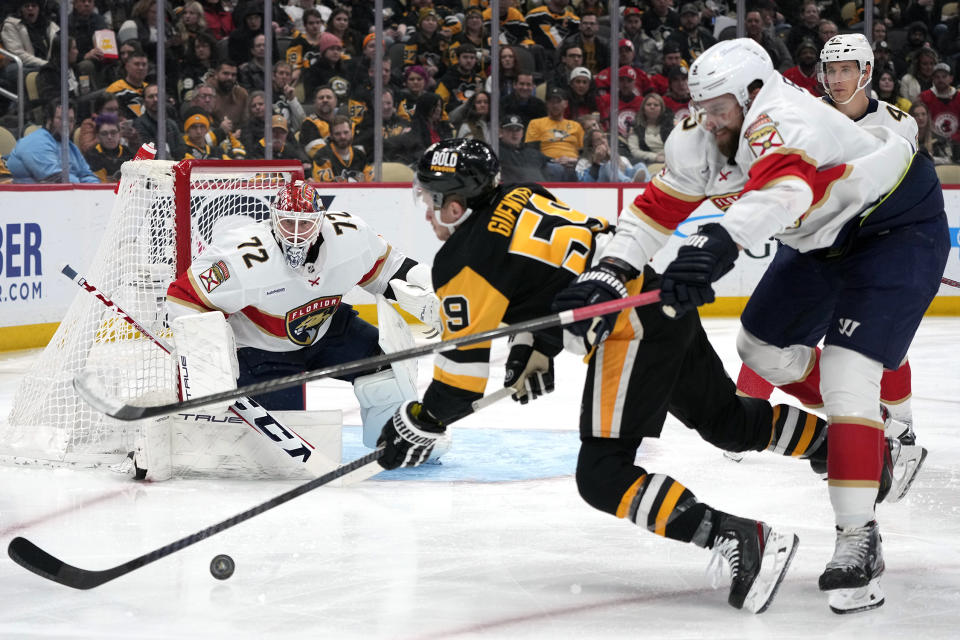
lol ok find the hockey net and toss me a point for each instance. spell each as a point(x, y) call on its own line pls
point(163, 216)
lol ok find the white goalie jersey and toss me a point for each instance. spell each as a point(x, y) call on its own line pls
point(270, 305)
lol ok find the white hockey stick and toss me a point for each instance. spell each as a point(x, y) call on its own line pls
point(248, 410)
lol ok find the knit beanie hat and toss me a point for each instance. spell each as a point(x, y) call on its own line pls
point(328, 40)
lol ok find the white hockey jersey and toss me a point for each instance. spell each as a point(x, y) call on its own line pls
point(270, 305)
point(883, 114)
point(801, 172)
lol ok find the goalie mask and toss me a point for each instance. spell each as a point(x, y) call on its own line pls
point(468, 169)
point(296, 213)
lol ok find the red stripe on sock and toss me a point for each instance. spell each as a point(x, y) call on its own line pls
point(855, 452)
point(749, 383)
point(895, 386)
point(807, 390)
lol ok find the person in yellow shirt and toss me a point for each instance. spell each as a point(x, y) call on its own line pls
point(557, 137)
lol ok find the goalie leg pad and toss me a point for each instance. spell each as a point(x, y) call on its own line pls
point(379, 395)
point(153, 450)
point(206, 355)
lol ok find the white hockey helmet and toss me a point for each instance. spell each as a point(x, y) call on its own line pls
point(730, 66)
point(296, 213)
point(844, 47)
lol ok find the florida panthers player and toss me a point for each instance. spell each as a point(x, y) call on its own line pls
point(863, 243)
point(281, 284)
point(845, 70)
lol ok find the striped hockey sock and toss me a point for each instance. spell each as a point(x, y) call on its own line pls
point(662, 505)
point(798, 434)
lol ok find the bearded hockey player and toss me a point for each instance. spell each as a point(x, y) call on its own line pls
point(845, 70)
point(281, 283)
point(863, 243)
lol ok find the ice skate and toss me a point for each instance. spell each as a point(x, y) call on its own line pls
point(758, 558)
point(852, 575)
point(899, 428)
point(735, 456)
point(905, 462)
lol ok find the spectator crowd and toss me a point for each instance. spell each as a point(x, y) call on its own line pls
point(553, 90)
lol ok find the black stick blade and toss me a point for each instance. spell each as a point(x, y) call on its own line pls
point(33, 558)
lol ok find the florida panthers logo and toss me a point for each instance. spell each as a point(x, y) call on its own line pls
point(304, 322)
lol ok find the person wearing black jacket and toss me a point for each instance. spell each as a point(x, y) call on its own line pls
point(248, 22)
point(522, 101)
point(146, 125)
point(426, 128)
point(518, 162)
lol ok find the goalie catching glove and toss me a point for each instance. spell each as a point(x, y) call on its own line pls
point(528, 370)
point(702, 260)
point(410, 437)
point(604, 282)
point(415, 296)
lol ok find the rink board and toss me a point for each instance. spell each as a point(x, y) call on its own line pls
point(43, 226)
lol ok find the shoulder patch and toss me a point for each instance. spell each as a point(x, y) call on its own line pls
point(763, 139)
point(761, 121)
point(216, 275)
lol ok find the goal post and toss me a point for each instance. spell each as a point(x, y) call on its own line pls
point(165, 213)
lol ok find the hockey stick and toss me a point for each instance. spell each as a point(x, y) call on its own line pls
point(949, 282)
point(93, 392)
point(33, 558)
point(254, 415)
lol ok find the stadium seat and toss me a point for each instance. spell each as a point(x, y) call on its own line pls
point(30, 85)
point(949, 173)
point(396, 172)
point(30, 129)
point(7, 141)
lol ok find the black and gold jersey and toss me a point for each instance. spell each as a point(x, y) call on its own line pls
point(129, 97)
point(329, 166)
point(106, 164)
point(504, 264)
point(301, 54)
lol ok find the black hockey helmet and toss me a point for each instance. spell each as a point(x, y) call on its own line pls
point(459, 166)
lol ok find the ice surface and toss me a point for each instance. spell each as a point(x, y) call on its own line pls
point(495, 543)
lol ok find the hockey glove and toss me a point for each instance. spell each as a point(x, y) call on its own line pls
point(415, 296)
point(604, 282)
point(528, 371)
point(410, 436)
point(702, 260)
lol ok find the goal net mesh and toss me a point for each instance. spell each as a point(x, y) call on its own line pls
point(164, 214)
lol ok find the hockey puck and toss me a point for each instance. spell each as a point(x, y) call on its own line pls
point(222, 566)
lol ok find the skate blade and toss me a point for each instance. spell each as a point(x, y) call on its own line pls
point(777, 556)
point(733, 455)
point(905, 471)
point(843, 601)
